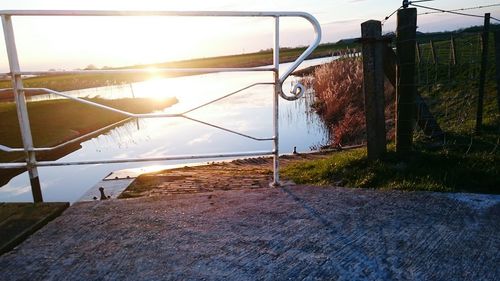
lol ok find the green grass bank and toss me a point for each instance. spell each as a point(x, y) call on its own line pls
point(55, 121)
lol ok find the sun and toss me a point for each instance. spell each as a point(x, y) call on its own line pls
point(153, 72)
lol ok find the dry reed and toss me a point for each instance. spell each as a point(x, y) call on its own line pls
point(339, 100)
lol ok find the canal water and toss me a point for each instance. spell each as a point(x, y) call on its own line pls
point(248, 112)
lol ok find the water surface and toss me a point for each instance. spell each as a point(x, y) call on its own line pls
point(248, 112)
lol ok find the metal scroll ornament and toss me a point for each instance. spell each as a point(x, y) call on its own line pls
point(296, 92)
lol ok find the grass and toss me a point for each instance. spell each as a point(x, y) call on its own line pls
point(423, 170)
point(451, 91)
point(20, 220)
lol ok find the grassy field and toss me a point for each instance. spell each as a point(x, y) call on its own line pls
point(75, 82)
point(464, 162)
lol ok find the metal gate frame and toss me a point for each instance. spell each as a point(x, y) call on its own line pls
point(19, 91)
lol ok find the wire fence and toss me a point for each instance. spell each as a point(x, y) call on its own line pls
point(447, 74)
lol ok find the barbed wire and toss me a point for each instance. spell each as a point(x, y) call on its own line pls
point(389, 16)
point(450, 11)
point(462, 9)
point(437, 10)
point(405, 5)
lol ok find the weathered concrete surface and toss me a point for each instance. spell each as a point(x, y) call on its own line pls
point(297, 232)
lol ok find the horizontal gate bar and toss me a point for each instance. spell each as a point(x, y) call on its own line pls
point(148, 13)
point(143, 71)
point(133, 160)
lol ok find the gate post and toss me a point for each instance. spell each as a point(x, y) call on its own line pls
point(373, 88)
point(22, 109)
point(406, 90)
point(277, 88)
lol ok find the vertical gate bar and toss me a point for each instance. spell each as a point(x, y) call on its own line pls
point(21, 107)
point(277, 88)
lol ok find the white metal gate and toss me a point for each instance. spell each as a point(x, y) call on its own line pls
point(16, 75)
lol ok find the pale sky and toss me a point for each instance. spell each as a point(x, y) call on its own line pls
point(69, 43)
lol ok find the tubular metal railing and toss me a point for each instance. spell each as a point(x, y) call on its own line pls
point(19, 91)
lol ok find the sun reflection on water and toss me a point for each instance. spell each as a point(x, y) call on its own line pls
point(248, 112)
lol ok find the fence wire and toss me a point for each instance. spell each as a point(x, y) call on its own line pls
point(447, 75)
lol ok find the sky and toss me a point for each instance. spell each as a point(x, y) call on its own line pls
point(69, 43)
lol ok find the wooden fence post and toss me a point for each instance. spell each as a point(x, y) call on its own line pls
point(419, 62)
point(435, 60)
point(406, 89)
point(433, 52)
point(373, 88)
point(419, 53)
point(497, 64)
point(453, 51)
point(453, 56)
point(482, 74)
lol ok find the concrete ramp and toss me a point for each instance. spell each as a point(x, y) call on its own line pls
point(290, 233)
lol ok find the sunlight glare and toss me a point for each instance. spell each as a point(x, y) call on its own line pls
point(153, 73)
point(122, 41)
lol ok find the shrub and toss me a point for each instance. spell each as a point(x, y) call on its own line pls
point(339, 100)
